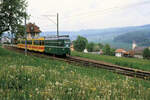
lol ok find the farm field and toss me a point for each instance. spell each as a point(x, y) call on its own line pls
point(141, 64)
point(31, 78)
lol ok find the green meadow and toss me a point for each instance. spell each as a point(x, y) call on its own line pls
point(31, 78)
point(141, 64)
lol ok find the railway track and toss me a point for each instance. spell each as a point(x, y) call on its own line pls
point(92, 63)
point(117, 69)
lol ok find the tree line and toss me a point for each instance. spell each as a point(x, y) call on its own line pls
point(82, 43)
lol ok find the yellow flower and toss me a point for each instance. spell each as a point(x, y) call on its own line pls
point(93, 89)
point(62, 67)
point(30, 95)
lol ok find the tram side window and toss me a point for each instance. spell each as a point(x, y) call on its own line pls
point(48, 42)
point(41, 42)
point(36, 42)
point(61, 43)
point(29, 42)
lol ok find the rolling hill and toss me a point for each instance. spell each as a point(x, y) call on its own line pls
point(108, 35)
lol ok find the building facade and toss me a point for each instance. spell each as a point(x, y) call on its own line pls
point(33, 31)
point(120, 52)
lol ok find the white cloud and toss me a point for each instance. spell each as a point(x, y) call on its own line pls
point(85, 14)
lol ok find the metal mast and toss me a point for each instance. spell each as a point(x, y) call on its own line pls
point(25, 35)
point(57, 24)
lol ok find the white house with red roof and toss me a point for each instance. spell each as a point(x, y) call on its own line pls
point(120, 52)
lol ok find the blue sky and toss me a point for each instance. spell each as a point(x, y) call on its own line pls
point(89, 14)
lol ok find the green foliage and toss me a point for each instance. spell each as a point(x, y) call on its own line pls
point(107, 50)
point(93, 47)
point(12, 15)
point(100, 45)
point(32, 78)
point(146, 53)
point(90, 47)
point(20, 31)
point(80, 43)
point(96, 48)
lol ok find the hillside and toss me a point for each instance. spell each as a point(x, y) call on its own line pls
point(142, 37)
point(104, 35)
point(32, 78)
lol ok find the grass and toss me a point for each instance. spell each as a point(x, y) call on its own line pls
point(141, 64)
point(30, 78)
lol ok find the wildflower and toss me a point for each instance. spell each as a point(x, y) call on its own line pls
point(70, 89)
point(93, 89)
point(11, 76)
point(43, 75)
point(62, 67)
point(72, 72)
point(36, 89)
point(98, 96)
point(30, 95)
point(57, 83)
point(83, 92)
point(28, 79)
point(109, 92)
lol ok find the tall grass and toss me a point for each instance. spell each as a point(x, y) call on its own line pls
point(126, 62)
point(30, 78)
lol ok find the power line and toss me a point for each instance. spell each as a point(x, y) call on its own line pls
point(104, 10)
point(50, 19)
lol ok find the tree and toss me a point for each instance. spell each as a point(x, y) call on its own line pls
point(80, 43)
point(112, 52)
point(106, 49)
point(100, 45)
point(90, 47)
point(20, 31)
point(146, 53)
point(96, 48)
point(12, 14)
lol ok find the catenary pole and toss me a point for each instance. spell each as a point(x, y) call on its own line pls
point(25, 35)
point(57, 24)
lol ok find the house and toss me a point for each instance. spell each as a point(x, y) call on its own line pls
point(138, 52)
point(33, 31)
point(120, 52)
point(101, 52)
point(85, 51)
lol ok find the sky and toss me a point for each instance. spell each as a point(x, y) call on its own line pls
point(88, 14)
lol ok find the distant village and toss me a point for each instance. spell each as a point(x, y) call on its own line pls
point(135, 52)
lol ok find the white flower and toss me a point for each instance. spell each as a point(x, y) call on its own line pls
point(57, 83)
point(70, 89)
point(28, 79)
point(36, 89)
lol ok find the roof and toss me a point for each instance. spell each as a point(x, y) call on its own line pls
point(139, 50)
point(120, 51)
point(35, 29)
point(63, 37)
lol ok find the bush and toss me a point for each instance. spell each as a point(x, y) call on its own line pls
point(146, 53)
point(90, 47)
point(80, 43)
